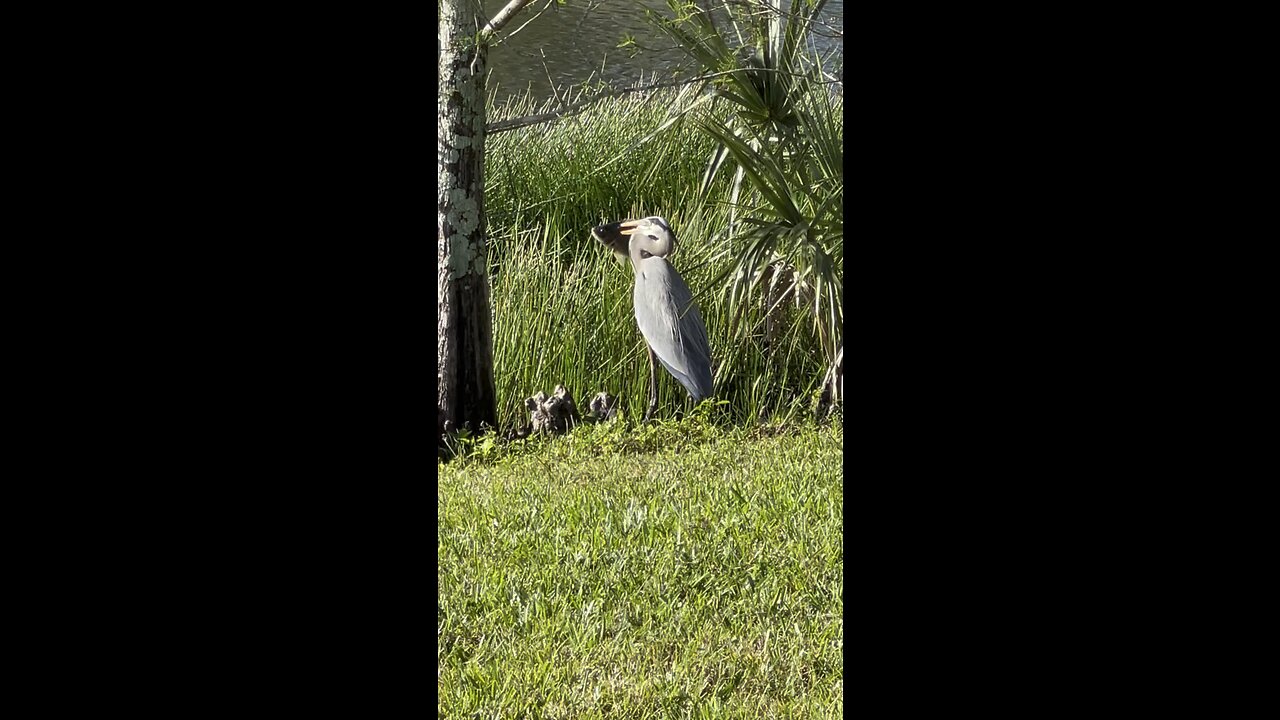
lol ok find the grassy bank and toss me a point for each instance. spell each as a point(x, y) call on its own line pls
point(562, 304)
point(680, 570)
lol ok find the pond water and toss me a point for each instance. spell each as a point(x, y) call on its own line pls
point(569, 44)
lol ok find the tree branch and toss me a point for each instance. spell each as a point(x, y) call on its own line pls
point(582, 105)
point(524, 25)
point(502, 18)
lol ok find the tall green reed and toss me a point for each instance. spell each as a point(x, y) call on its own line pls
point(562, 303)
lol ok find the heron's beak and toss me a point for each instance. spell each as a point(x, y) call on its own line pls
point(627, 227)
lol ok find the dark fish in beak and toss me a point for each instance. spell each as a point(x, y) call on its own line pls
point(615, 236)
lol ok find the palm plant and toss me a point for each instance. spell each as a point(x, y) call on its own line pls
point(783, 140)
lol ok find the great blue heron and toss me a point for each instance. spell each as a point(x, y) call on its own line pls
point(665, 311)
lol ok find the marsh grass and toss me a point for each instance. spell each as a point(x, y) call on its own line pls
point(700, 577)
point(562, 303)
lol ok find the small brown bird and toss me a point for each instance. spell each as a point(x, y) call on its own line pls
point(554, 414)
point(539, 421)
point(570, 407)
point(604, 405)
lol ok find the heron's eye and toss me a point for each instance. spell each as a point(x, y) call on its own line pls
point(652, 238)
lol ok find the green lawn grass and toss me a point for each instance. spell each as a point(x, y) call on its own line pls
point(677, 570)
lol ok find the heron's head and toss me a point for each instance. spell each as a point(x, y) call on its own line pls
point(637, 239)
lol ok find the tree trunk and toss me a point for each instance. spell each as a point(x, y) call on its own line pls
point(464, 340)
point(777, 281)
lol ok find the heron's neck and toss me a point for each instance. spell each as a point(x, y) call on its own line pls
point(637, 260)
point(638, 249)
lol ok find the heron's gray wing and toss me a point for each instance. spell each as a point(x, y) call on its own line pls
point(672, 325)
